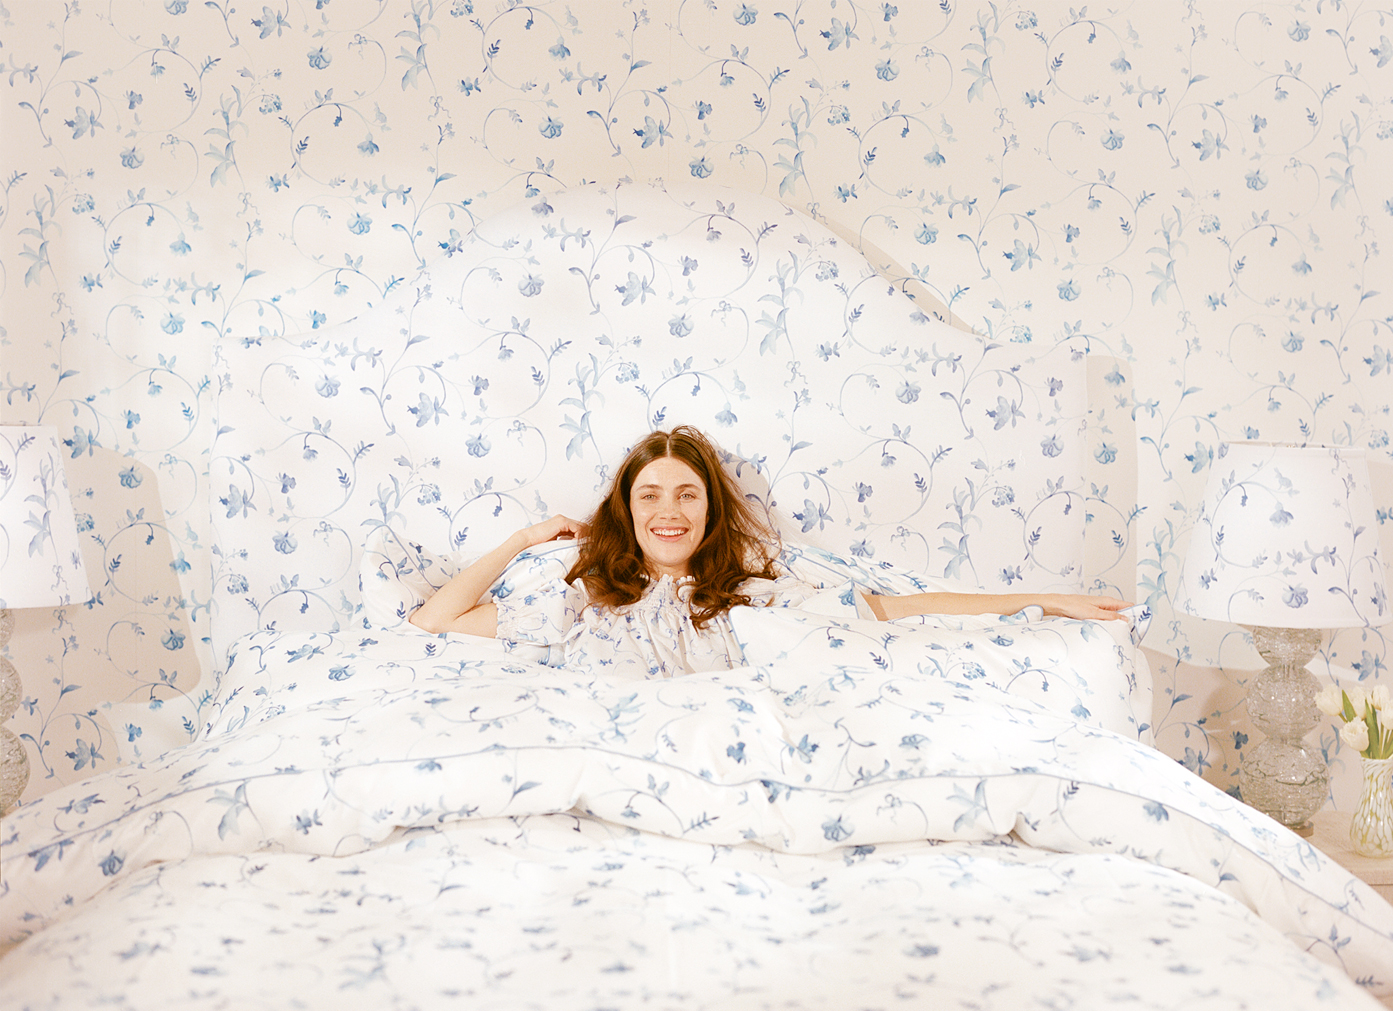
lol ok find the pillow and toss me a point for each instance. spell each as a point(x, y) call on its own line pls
point(397, 575)
point(1137, 618)
point(166, 720)
point(1087, 670)
point(821, 567)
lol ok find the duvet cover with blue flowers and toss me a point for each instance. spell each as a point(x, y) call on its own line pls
point(389, 819)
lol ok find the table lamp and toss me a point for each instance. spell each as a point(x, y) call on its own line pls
point(1286, 544)
point(40, 564)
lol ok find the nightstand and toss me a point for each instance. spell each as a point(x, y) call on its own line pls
point(1331, 837)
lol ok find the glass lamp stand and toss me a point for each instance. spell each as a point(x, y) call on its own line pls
point(1282, 776)
point(14, 763)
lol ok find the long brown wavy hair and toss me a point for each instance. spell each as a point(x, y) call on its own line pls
point(735, 545)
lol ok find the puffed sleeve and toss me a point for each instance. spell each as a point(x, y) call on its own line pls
point(542, 615)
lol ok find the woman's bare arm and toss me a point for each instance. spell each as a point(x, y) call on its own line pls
point(1064, 605)
point(456, 606)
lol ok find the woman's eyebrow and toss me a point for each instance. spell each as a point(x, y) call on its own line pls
point(680, 487)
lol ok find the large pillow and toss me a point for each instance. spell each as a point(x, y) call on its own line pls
point(1088, 670)
point(269, 672)
point(508, 380)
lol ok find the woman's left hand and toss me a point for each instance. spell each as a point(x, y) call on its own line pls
point(1082, 606)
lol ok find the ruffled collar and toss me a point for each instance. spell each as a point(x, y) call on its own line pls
point(666, 589)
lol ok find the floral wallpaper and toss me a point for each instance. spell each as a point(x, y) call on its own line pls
point(1195, 190)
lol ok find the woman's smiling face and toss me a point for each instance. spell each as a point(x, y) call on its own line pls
point(668, 501)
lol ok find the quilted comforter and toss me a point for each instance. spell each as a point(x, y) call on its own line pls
point(428, 821)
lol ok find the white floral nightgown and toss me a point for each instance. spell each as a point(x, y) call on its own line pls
point(655, 636)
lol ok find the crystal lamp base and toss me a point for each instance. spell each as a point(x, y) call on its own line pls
point(1282, 776)
point(14, 763)
point(14, 769)
point(1284, 782)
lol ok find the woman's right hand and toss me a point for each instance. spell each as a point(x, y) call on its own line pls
point(553, 529)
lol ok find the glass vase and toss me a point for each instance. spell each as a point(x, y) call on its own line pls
point(1371, 828)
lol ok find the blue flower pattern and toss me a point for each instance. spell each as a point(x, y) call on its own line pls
point(1218, 283)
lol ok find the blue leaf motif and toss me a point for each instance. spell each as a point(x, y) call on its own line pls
point(42, 856)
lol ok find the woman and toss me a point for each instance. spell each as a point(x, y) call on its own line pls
point(671, 549)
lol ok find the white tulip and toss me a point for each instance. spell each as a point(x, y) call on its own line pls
point(1358, 698)
point(1380, 697)
point(1330, 700)
point(1355, 734)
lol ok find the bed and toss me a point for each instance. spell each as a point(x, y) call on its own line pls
point(946, 812)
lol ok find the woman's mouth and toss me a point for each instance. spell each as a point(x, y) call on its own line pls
point(668, 533)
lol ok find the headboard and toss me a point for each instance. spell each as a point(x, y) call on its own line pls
point(506, 381)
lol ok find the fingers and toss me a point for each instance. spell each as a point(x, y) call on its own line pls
point(1109, 608)
point(568, 527)
point(1088, 607)
point(556, 528)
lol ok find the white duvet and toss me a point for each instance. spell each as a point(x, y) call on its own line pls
point(389, 820)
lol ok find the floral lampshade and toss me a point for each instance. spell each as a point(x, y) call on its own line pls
point(1286, 537)
point(40, 559)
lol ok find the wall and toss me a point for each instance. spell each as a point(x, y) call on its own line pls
point(1193, 187)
